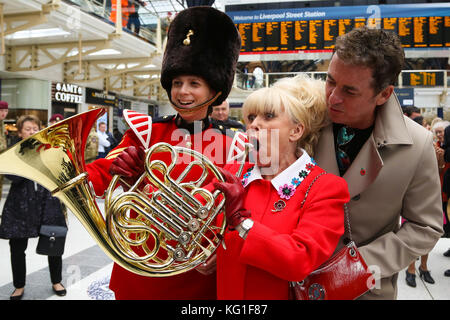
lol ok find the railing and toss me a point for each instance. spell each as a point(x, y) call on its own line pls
point(415, 78)
point(253, 81)
point(152, 28)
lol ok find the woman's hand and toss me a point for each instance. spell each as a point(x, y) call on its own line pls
point(234, 199)
point(129, 164)
point(440, 156)
point(209, 267)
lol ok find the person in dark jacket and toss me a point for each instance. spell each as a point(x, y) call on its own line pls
point(220, 118)
point(27, 207)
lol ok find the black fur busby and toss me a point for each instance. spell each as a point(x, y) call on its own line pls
point(202, 41)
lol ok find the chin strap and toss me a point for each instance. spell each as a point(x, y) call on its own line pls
point(196, 108)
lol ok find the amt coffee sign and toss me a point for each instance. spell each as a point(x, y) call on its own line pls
point(66, 92)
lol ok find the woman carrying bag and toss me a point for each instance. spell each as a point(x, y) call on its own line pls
point(285, 214)
point(28, 206)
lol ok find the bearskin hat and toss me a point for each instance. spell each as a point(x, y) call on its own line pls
point(202, 41)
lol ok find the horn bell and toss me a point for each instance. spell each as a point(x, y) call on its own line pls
point(187, 229)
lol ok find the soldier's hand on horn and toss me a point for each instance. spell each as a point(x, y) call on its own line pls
point(129, 164)
point(234, 199)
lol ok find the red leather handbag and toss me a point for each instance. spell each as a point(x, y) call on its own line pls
point(344, 276)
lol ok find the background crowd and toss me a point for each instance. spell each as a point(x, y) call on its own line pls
point(439, 128)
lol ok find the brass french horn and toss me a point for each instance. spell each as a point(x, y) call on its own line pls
point(163, 225)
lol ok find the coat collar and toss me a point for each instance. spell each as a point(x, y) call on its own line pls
point(141, 124)
point(192, 127)
point(389, 129)
point(302, 164)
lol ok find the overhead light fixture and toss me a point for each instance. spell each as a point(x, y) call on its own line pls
point(105, 52)
point(128, 66)
point(37, 33)
point(143, 76)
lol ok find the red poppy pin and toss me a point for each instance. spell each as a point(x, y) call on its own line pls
point(362, 172)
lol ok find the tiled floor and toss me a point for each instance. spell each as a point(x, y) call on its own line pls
point(86, 270)
point(437, 264)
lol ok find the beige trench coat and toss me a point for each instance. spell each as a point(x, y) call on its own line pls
point(395, 174)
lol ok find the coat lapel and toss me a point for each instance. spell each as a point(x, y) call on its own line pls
point(324, 155)
point(364, 169)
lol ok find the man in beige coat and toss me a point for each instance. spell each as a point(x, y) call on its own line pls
point(387, 159)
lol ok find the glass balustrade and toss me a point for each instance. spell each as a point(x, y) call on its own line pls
point(137, 17)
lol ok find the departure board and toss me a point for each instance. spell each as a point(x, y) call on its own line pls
point(420, 25)
point(374, 23)
point(436, 32)
point(345, 26)
point(258, 36)
point(423, 79)
point(447, 31)
point(390, 24)
point(330, 33)
point(405, 31)
point(286, 35)
point(272, 36)
point(359, 22)
point(301, 35)
point(293, 30)
point(245, 29)
point(315, 34)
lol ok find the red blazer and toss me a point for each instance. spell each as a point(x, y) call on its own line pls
point(281, 246)
point(189, 285)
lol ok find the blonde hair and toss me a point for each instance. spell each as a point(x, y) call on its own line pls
point(302, 98)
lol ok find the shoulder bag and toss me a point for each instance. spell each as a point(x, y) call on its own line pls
point(345, 276)
point(51, 240)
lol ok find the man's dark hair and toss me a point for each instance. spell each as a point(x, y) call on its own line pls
point(419, 120)
point(376, 49)
point(409, 110)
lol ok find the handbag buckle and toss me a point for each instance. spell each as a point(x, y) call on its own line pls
point(316, 292)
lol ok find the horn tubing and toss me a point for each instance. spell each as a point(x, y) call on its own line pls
point(54, 157)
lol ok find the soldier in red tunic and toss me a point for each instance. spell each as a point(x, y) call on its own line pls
point(280, 230)
point(197, 73)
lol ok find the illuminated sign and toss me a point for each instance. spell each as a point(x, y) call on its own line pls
point(296, 29)
point(66, 92)
point(423, 78)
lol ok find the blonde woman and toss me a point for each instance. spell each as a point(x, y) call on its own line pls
point(274, 236)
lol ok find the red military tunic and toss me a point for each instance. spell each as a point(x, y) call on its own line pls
point(284, 245)
point(189, 285)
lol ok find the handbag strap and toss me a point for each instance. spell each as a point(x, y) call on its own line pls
point(309, 188)
point(347, 228)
